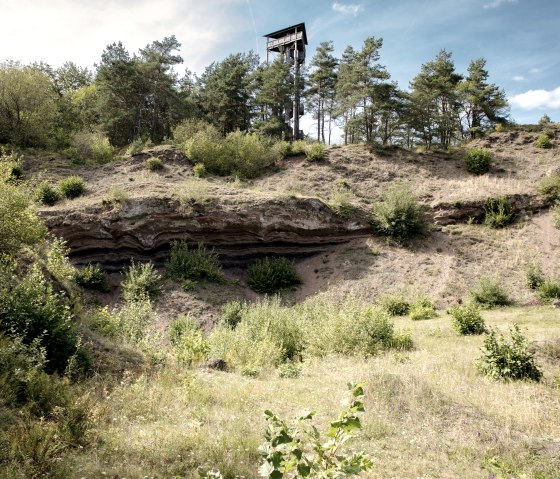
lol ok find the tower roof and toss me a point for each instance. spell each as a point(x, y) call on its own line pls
point(287, 31)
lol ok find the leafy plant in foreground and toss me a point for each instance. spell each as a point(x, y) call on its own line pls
point(498, 212)
point(508, 360)
point(300, 450)
point(270, 275)
point(478, 161)
point(467, 320)
point(140, 280)
point(194, 264)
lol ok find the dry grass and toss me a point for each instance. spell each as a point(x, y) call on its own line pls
point(428, 413)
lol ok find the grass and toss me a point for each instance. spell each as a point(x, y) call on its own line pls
point(429, 406)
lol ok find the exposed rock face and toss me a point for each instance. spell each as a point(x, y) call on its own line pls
point(144, 227)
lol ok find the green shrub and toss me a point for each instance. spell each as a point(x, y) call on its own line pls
point(116, 197)
point(543, 141)
point(284, 148)
point(19, 225)
point(478, 161)
point(199, 170)
point(232, 313)
point(11, 169)
point(549, 290)
point(93, 146)
point(498, 212)
point(140, 280)
point(138, 146)
point(394, 304)
point(187, 129)
point(299, 147)
point(188, 341)
point(72, 186)
point(341, 201)
point(490, 293)
point(534, 276)
point(153, 163)
point(46, 194)
point(467, 320)
point(549, 187)
point(556, 214)
point(92, 277)
point(399, 214)
point(193, 263)
point(545, 120)
point(270, 275)
point(32, 310)
point(288, 371)
point(423, 308)
point(401, 341)
point(315, 152)
point(508, 360)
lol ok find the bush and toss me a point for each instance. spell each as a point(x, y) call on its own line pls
point(270, 275)
point(395, 304)
point(153, 164)
point(140, 281)
point(187, 129)
point(195, 264)
point(11, 169)
point(288, 371)
point(32, 310)
point(545, 120)
point(423, 308)
point(478, 161)
point(93, 146)
point(284, 148)
point(490, 293)
point(549, 188)
point(498, 212)
point(399, 214)
point(19, 225)
point(72, 186)
point(231, 313)
point(556, 214)
point(188, 341)
point(534, 276)
point(199, 170)
point(138, 146)
point(315, 151)
point(467, 320)
point(299, 147)
point(46, 194)
point(92, 277)
point(508, 360)
point(341, 201)
point(116, 197)
point(549, 290)
point(543, 141)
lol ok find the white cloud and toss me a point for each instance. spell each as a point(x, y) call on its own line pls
point(518, 78)
point(497, 3)
point(537, 99)
point(534, 70)
point(79, 30)
point(346, 8)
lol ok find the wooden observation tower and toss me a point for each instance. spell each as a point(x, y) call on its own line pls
point(290, 44)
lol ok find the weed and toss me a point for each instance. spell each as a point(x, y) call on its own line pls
point(315, 151)
point(288, 370)
point(232, 313)
point(498, 212)
point(394, 304)
point(194, 264)
point(423, 308)
point(92, 277)
point(299, 147)
point(153, 163)
point(534, 275)
point(543, 141)
point(272, 274)
point(116, 198)
point(556, 214)
point(478, 161)
point(490, 293)
point(549, 187)
point(508, 360)
point(188, 341)
point(72, 186)
point(199, 170)
point(549, 290)
point(46, 194)
point(140, 280)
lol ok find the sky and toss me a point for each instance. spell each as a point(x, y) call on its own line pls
point(518, 38)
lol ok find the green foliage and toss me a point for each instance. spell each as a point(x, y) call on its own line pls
point(478, 161)
point(188, 341)
point(116, 197)
point(140, 280)
point(467, 320)
point(93, 146)
point(534, 275)
point(32, 310)
point(284, 148)
point(153, 164)
point(92, 277)
point(549, 187)
point(508, 360)
point(11, 169)
point(299, 450)
point(138, 146)
point(423, 308)
point(244, 154)
point(399, 214)
point(72, 186)
point(498, 212)
point(187, 129)
point(194, 264)
point(299, 147)
point(341, 201)
point(315, 151)
point(288, 371)
point(46, 194)
point(394, 304)
point(232, 313)
point(490, 293)
point(271, 275)
point(19, 225)
point(543, 141)
point(556, 214)
point(545, 120)
point(549, 290)
point(199, 170)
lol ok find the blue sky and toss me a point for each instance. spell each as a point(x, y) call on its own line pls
point(518, 38)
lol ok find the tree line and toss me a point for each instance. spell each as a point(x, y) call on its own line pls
point(141, 96)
